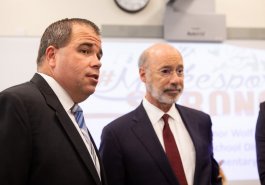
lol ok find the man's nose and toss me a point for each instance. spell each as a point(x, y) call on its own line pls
point(95, 63)
point(176, 78)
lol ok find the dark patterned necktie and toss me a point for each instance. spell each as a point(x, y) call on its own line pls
point(172, 152)
point(79, 117)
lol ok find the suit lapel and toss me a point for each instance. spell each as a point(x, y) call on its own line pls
point(144, 131)
point(66, 123)
point(102, 173)
point(191, 126)
point(78, 143)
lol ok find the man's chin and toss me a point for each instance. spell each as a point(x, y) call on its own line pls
point(168, 101)
point(90, 90)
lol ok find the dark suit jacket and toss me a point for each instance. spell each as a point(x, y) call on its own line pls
point(39, 145)
point(132, 154)
point(260, 143)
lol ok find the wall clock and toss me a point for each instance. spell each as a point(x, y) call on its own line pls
point(132, 6)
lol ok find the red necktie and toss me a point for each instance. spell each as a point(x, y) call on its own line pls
point(172, 152)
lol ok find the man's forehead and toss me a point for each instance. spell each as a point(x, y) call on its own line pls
point(86, 33)
point(174, 62)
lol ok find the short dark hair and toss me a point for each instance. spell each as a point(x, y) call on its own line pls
point(58, 34)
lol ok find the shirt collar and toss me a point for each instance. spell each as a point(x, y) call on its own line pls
point(61, 94)
point(155, 113)
point(173, 112)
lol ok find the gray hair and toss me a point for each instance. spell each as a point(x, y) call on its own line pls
point(143, 58)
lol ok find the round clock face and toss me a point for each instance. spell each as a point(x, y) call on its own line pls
point(132, 6)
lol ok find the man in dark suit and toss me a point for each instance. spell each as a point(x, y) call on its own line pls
point(260, 143)
point(40, 140)
point(135, 148)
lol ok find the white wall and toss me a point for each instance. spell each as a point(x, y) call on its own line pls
point(248, 14)
point(31, 17)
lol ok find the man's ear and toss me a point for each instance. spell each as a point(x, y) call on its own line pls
point(50, 56)
point(142, 73)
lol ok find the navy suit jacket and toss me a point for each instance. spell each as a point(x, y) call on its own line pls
point(132, 154)
point(39, 145)
point(260, 143)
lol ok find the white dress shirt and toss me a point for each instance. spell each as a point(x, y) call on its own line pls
point(181, 135)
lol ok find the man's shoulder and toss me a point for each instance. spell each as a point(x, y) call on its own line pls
point(124, 121)
point(24, 92)
point(191, 110)
point(123, 118)
point(262, 104)
point(22, 88)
